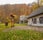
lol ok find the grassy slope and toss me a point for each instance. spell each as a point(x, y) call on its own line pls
point(21, 35)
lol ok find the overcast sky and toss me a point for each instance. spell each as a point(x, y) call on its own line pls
point(16, 1)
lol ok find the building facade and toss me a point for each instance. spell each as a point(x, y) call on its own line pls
point(36, 18)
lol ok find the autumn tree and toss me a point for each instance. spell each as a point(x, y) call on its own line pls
point(34, 6)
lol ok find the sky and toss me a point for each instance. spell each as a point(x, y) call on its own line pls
point(16, 1)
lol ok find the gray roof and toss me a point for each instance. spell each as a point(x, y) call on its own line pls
point(36, 12)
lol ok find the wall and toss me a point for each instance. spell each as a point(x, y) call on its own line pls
point(31, 23)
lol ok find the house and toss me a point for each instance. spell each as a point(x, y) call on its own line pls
point(36, 17)
point(23, 19)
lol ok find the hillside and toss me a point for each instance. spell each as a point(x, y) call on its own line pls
point(17, 9)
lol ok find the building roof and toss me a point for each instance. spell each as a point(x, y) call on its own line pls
point(36, 12)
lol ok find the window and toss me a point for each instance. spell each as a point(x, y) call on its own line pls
point(41, 20)
point(34, 20)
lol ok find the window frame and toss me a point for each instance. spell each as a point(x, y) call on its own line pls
point(34, 20)
point(41, 20)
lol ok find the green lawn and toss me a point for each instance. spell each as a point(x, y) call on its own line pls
point(21, 24)
point(2, 26)
point(21, 35)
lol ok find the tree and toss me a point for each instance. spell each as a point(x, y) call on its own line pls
point(34, 6)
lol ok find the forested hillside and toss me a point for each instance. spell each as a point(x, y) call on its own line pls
point(15, 9)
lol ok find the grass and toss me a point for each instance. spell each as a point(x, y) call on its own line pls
point(2, 26)
point(21, 24)
point(21, 35)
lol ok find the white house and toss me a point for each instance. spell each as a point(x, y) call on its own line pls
point(23, 18)
point(36, 17)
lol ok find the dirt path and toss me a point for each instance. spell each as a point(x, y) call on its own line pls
point(24, 28)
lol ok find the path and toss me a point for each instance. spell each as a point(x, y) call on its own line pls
point(24, 28)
